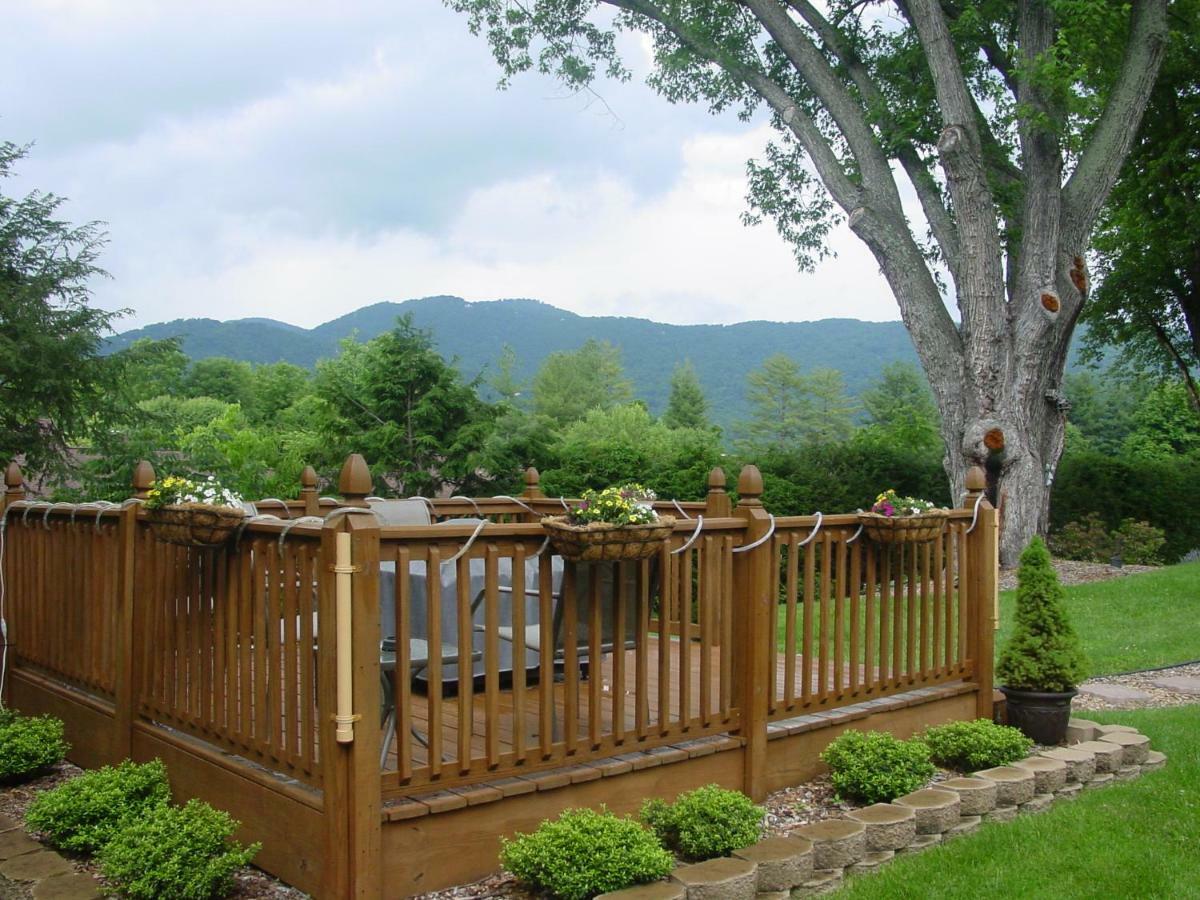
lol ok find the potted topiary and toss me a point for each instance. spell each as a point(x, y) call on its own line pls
point(893, 519)
point(1042, 660)
point(612, 524)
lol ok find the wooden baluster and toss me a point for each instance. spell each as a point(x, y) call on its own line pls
point(806, 659)
point(433, 618)
point(789, 625)
point(839, 617)
point(826, 596)
point(491, 653)
point(518, 652)
point(855, 588)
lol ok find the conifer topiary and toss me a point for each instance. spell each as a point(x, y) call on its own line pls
point(1043, 653)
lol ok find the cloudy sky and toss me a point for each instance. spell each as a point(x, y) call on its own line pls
point(300, 160)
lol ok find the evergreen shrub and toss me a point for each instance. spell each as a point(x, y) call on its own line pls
point(86, 812)
point(1043, 652)
point(970, 746)
point(707, 822)
point(182, 852)
point(585, 852)
point(875, 767)
point(29, 745)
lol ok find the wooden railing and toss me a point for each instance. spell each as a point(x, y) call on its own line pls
point(859, 619)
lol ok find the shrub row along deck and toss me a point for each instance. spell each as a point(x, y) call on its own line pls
point(471, 683)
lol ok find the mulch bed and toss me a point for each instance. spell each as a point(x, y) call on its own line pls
point(250, 883)
point(1073, 572)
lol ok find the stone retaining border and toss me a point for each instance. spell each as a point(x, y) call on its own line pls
point(817, 857)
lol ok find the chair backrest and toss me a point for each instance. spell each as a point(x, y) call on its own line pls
point(401, 512)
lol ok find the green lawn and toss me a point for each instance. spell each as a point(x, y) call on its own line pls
point(1135, 622)
point(1129, 840)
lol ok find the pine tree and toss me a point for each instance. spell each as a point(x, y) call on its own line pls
point(1043, 653)
point(687, 406)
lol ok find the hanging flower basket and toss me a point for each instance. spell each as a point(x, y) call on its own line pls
point(194, 524)
point(192, 513)
point(914, 529)
point(903, 520)
point(605, 542)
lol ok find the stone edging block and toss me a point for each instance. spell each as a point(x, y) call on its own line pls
point(1137, 746)
point(889, 827)
point(1049, 775)
point(1013, 786)
point(978, 795)
point(836, 843)
point(723, 878)
point(783, 862)
point(1108, 755)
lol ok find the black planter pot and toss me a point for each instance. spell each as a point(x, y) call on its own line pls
point(1040, 716)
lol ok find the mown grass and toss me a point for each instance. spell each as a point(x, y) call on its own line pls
point(1133, 622)
point(1140, 839)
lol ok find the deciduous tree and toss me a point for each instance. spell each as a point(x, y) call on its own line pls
point(1007, 120)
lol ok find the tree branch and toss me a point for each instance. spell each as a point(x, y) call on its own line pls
point(1100, 163)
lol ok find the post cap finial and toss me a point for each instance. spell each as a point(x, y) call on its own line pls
point(976, 479)
point(355, 480)
point(716, 480)
point(143, 477)
point(13, 476)
point(308, 478)
point(750, 485)
point(532, 477)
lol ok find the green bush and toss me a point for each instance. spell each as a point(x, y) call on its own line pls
point(1086, 540)
point(583, 853)
point(1140, 543)
point(968, 746)
point(709, 821)
point(874, 767)
point(85, 813)
point(1043, 652)
point(28, 745)
point(182, 852)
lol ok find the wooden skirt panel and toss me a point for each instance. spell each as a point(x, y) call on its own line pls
point(291, 831)
point(450, 848)
point(88, 721)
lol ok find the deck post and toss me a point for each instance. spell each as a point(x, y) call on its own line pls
point(308, 492)
point(14, 485)
point(753, 608)
point(533, 491)
point(355, 481)
point(130, 630)
point(982, 584)
point(716, 501)
point(351, 773)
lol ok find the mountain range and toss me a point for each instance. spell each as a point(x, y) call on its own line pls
point(473, 333)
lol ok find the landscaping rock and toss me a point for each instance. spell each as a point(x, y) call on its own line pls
point(1114, 729)
point(1081, 730)
point(936, 810)
point(965, 825)
point(1001, 814)
point(1039, 803)
point(1127, 773)
point(35, 866)
point(78, 886)
point(724, 878)
point(889, 827)
point(836, 843)
point(773, 895)
point(824, 881)
point(1068, 791)
point(7, 823)
point(1137, 746)
point(1081, 765)
point(921, 842)
point(1100, 780)
point(1184, 684)
point(783, 862)
point(1109, 756)
point(1013, 786)
point(1116, 694)
point(1154, 761)
point(15, 842)
point(871, 862)
point(977, 795)
point(1048, 774)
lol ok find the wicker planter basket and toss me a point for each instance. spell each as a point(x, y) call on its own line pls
point(194, 524)
point(904, 529)
point(601, 542)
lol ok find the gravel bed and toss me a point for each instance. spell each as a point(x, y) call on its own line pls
point(249, 884)
point(1142, 681)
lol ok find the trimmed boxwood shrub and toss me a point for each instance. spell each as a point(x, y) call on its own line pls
point(28, 745)
point(969, 746)
point(585, 852)
point(707, 822)
point(85, 813)
point(182, 852)
point(874, 767)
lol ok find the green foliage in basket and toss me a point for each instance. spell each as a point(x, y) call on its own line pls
point(628, 504)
